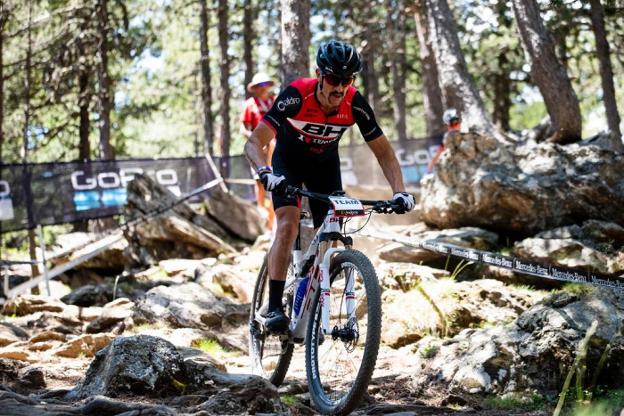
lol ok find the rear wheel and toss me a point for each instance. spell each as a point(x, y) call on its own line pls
point(340, 364)
point(270, 354)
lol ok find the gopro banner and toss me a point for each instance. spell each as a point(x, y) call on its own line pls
point(360, 167)
point(55, 193)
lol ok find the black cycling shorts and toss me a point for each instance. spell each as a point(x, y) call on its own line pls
point(318, 176)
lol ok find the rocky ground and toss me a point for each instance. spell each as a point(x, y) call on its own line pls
point(157, 324)
point(174, 339)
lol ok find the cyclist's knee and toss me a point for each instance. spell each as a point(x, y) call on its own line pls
point(287, 222)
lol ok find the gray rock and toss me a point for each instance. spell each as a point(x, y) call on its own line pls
point(232, 282)
point(139, 364)
point(90, 295)
point(30, 304)
point(446, 307)
point(531, 354)
point(522, 188)
point(593, 245)
point(10, 333)
point(239, 217)
point(113, 313)
point(32, 378)
point(188, 306)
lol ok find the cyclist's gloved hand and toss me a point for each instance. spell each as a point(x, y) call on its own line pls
point(405, 200)
point(272, 182)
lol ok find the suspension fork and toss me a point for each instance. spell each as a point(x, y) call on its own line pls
point(327, 254)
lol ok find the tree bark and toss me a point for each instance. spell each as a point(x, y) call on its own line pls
point(457, 86)
point(84, 147)
point(396, 52)
point(432, 96)
point(205, 77)
point(32, 243)
point(2, 23)
point(368, 56)
point(249, 39)
point(502, 92)
point(84, 97)
point(606, 74)
point(548, 74)
point(295, 39)
point(225, 91)
point(104, 81)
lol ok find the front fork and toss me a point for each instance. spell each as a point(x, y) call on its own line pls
point(325, 289)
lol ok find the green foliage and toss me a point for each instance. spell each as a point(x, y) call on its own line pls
point(429, 351)
point(578, 288)
point(213, 348)
point(606, 404)
point(289, 399)
point(529, 401)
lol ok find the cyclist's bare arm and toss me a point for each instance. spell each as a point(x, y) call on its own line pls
point(255, 147)
point(382, 149)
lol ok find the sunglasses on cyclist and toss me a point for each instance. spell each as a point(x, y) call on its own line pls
point(334, 81)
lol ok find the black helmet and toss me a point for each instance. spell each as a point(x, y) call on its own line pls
point(338, 58)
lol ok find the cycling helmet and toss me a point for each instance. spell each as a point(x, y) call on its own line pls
point(338, 58)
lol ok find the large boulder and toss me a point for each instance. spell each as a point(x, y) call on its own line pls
point(180, 232)
point(534, 353)
point(522, 187)
point(593, 245)
point(445, 307)
point(140, 365)
point(239, 217)
point(152, 366)
point(230, 281)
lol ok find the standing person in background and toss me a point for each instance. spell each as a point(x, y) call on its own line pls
point(254, 109)
point(453, 123)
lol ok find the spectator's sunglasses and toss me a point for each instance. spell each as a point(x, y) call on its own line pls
point(334, 81)
point(263, 84)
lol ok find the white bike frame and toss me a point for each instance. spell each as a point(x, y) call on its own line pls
point(319, 279)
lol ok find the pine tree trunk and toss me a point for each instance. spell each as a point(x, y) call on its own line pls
point(106, 150)
point(396, 52)
point(84, 147)
point(32, 243)
point(249, 39)
point(432, 96)
point(606, 74)
point(2, 22)
point(457, 86)
point(368, 56)
point(502, 93)
point(225, 91)
point(84, 99)
point(295, 39)
point(548, 73)
point(205, 78)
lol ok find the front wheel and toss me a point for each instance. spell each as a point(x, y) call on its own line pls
point(340, 364)
point(270, 354)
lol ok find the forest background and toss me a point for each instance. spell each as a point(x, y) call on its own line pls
point(102, 79)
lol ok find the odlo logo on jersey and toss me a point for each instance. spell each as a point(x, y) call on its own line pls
point(282, 104)
point(322, 132)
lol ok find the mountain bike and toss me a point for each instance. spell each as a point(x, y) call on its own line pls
point(333, 298)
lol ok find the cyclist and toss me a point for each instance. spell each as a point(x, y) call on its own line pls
point(308, 118)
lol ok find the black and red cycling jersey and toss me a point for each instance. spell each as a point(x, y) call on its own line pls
point(303, 129)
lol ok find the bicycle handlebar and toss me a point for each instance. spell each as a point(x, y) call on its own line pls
point(379, 206)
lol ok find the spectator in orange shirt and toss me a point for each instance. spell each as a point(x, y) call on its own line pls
point(254, 109)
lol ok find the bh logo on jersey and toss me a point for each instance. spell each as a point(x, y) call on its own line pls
point(317, 133)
